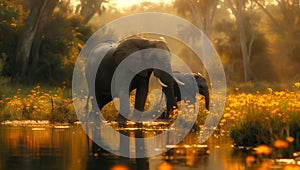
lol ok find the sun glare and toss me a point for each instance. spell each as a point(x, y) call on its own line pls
point(128, 3)
point(121, 4)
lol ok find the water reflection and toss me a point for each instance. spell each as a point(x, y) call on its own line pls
point(44, 148)
point(67, 148)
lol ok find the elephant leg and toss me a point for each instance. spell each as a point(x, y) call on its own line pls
point(171, 101)
point(177, 93)
point(124, 106)
point(140, 98)
point(100, 101)
point(95, 117)
point(104, 100)
point(140, 83)
point(168, 91)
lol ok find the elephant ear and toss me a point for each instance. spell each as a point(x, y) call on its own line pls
point(199, 77)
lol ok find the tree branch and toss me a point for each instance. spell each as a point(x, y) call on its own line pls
point(273, 20)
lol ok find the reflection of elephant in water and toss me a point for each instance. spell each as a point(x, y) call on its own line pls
point(157, 59)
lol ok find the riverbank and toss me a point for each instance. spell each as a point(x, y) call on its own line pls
point(37, 123)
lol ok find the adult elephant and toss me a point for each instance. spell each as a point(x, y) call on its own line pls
point(152, 52)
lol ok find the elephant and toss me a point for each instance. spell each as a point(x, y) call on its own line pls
point(188, 89)
point(104, 82)
point(113, 53)
point(184, 90)
point(117, 52)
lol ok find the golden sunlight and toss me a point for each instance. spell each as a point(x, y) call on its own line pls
point(74, 3)
point(128, 3)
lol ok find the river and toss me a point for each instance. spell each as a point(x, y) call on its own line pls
point(67, 148)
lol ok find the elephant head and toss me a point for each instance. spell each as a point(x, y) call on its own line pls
point(203, 88)
point(184, 82)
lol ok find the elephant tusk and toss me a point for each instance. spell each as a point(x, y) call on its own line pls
point(161, 83)
point(200, 74)
point(179, 82)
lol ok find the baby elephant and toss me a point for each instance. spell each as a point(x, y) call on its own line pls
point(183, 82)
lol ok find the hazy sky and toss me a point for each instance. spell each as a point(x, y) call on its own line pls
point(127, 3)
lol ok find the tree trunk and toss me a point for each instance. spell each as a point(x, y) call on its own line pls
point(36, 46)
point(245, 54)
point(26, 37)
point(210, 10)
point(89, 8)
point(29, 33)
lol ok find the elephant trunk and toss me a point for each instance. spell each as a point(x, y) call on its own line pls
point(203, 90)
point(168, 82)
point(206, 95)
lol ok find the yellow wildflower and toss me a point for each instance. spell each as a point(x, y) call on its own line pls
point(263, 149)
point(290, 139)
point(249, 160)
point(281, 144)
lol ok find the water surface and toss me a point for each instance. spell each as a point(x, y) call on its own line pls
point(49, 148)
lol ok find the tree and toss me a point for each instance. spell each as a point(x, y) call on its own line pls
point(30, 37)
point(229, 48)
point(200, 12)
point(284, 34)
point(12, 16)
point(88, 8)
point(60, 46)
point(48, 42)
point(239, 9)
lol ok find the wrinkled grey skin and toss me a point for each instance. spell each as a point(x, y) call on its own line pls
point(116, 54)
point(189, 91)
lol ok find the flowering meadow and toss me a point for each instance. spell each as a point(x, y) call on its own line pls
point(269, 121)
point(251, 119)
point(37, 104)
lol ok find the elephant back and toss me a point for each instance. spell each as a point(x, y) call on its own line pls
point(131, 45)
point(126, 48)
